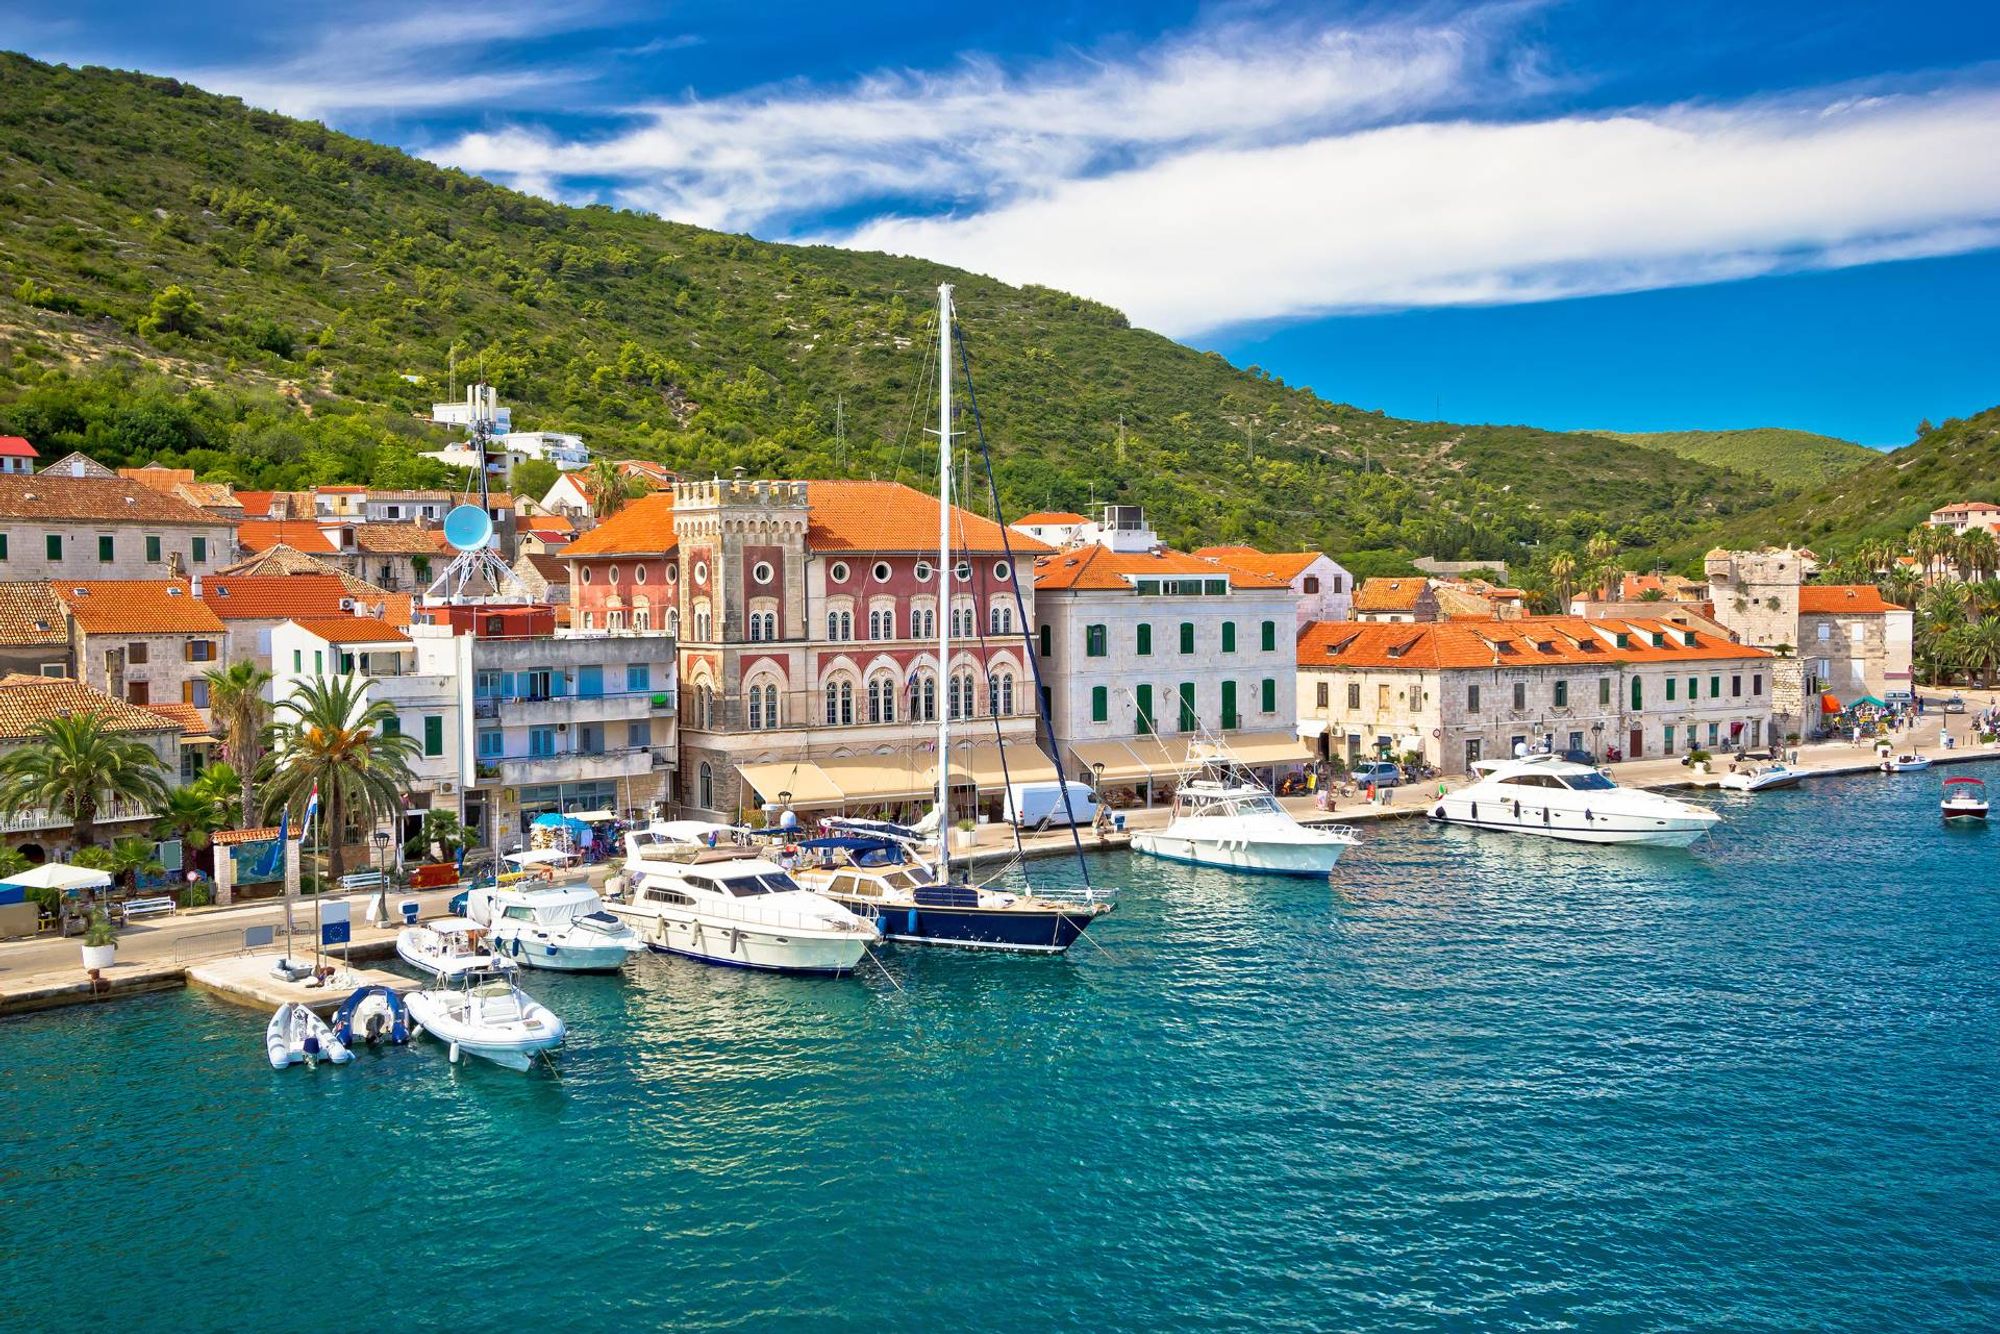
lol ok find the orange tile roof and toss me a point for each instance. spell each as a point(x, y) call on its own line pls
point(253, 597)
point(643, 526)
point(1966, 507)
point(28, 700)
point(1390, 594)
point(888, 516)
point(1094, 567)
point(1285, 565)
point(1831, 599)
point(158, 476)
point(548, 523)
point(1528, 642)
point(1041, 518)
point(136, 607)
point(398, 539)
point(350, 630)
point(58, 496)
point(298, 534)
point(184, 716)
point(31, 614)
point(256, 504)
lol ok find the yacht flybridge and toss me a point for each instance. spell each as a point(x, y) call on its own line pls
point(1222, 817)
point(1549, 797)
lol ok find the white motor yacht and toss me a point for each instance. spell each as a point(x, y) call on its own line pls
point(730, 905)
point(1551, 797)
point(447, 947)
point(1761, 778)
point(1222, 817)
point(487, 1015)
point(559, 927)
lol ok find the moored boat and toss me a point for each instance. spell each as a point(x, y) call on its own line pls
point(1964, 801)
point(1908, 762)
point(563, 928)
point(374, 1015)
point(1762, 778)
point(1545, 796)
point(446, 947)
point(295, 1034)
point(485, 1014)
point(1223, 817)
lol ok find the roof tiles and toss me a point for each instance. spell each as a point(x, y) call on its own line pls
point(136, 607)
point(26, 701)
point(1530, 641)
point(50, 496)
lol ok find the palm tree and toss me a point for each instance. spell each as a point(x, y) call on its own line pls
point(1601, 548)
point(222, 787)
point(236, 698)
point(328, 735)
point(72, 765)
point(1979, 650)
point(609, 489)
point(1923, 545)
point(1977, 554)
point(190, 815)
point(1562, 569)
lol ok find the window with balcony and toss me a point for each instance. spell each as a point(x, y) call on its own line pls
point(490, 743)
point(638, 676)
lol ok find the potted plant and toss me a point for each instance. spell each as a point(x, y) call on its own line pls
point(965, 834)
point(100, 943)
point(1699, 760)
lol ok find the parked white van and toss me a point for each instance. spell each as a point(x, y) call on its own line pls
point(1029, 804)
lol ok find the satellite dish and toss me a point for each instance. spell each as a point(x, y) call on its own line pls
point(468, 528)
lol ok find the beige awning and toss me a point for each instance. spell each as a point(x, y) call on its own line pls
point(1259, 748)
point(807, 782)
point(1025, 764)
point(1132, 760)
point(900, 777)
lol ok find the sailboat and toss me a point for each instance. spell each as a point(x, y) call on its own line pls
point(880, 874)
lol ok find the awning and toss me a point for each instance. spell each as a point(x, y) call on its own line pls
point(806, 781)
point(901, 777)
point(1133, 760)
point(593, 817)
point(1025, 764)
point(1259, 748)
point(1829, 704)
point(59, 875)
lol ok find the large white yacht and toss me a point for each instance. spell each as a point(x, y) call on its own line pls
point(1224, 818)
point(559, 927)
point(1551, 797)
point(730, 905)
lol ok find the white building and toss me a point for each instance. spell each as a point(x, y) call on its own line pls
point(1057, 528)
point(1143, 647)
point(1324, 587)
point(482, 404)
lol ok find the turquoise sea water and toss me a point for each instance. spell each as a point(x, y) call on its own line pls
point(1476, 1082)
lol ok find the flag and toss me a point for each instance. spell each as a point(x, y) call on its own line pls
point(312, 804)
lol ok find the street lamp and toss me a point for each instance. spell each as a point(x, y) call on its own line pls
point(1097, 780)
point(1597, 740)
point(381, 909)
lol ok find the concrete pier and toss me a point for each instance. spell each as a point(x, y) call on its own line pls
point(247, 980)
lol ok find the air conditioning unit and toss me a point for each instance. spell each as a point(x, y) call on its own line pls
point(446, 788)
point(562, 727)
point(347, 604)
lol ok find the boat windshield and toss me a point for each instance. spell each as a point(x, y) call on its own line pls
point(1258, 806)
point(747, 886)
point(1590, 782)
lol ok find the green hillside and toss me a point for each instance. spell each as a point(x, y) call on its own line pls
point(184, 278)
point(1785, 457)
point(1889, 496)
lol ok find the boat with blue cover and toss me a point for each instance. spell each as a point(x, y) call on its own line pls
point(374, 1015)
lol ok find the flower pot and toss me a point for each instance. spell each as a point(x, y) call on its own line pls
point(96, 957)
point(963, 838)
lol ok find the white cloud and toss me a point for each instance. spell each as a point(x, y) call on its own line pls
point(983, 136)
point(1462, 213)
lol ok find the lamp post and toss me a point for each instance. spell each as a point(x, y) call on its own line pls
point(380, 910)
point(1097, 781)
point(1597, 741)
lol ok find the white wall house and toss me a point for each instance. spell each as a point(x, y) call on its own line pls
point(1324, 587)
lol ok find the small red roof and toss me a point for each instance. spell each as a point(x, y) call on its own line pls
point(16, 447)
point(350, 630)
point(298, 534)
point(1832, 599)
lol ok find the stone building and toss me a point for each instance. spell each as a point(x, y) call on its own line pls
point(1323, 587)
point(1846, 640)
point(63, 527)
point(146, 641)
point(26, 701)
point(1457, 692)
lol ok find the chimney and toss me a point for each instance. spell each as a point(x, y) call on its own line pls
point(194, 585)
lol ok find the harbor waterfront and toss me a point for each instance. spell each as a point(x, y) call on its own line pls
point(1473, 1080)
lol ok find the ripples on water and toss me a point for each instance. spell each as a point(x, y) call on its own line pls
point(1475, 1082)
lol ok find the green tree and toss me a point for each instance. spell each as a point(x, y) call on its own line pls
point(174, 310)
point(190, 815)
point(442, 831)
point(73, 765)
point(222, 788)
point(533, 477)
point(329, 735)
point(236, 699)
point(609, 488)
point(124, 861)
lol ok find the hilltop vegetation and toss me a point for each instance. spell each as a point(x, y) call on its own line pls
point(1787, 458)
point(185, 278)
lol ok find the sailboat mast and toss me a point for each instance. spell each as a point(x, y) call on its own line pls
point(944, 583)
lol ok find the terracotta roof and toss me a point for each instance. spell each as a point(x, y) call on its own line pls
point(184, 716)
point(644, 526)
point(398, 539)
point(1635, 586)
point(266, 597)
point(1285, 565)
point(350, 630)
point(1530, 641)
point(231, 837)
point(543, 524)
point(1390, 594)
point(53, 495)
point(549, 567)
point(1831, 599)
point(158, 476)
point(659, 474)
point(136, 607)
point(17, 447)
point(282, 559)
point(1966, 507)
point(1042, 518)
point(28, 700)
point(1094, 567)
point(256, 504)
point(399, 609)
point(31, 614)
point(888, 516)
point(340, 490)
point(298, 534)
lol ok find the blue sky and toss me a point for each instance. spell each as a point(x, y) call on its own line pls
point(1627, 215)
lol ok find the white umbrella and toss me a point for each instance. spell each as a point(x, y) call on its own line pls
point(59, 875)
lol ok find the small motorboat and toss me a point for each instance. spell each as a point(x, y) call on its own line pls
point(1908, 763)
point(1761, 778)
point(486, 1015)
point(1964, 799)
point(296, 1034)
point(559, 927)
point(449, 947)
point(374, 1015)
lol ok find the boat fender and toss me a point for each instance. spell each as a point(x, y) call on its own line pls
point(1545, 815)
point(1517, 810)
point(1437, 812)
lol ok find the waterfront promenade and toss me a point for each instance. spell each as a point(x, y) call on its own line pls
point(45, 971)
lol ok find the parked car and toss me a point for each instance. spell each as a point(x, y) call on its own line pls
point(1379, 772)
point(1580, 757)
point(1956, 704)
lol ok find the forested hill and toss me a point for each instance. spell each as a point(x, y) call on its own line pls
point(1791, 459)
point(154, 238)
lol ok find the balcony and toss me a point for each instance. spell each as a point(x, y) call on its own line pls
point(117, 812)
point(608, 707)
point(571, 766)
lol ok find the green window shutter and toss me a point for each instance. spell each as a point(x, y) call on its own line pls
point(1562, 694)
point(1715, 687)
point(201, 551)
point(1187, 636)
point(1638, 693)
point(1229, 636)
point(1143, 724)
point(392, 726)
point(1187, 706)
point(1694, 687)
point(3, 546)
point(1670, 690)
point(1267, 698)
point(52, 544)
point(152, 548)
point(1093, 641)
point(1229, 718)
point(1100, 704)
point(1270, 636)
point(433, 734)
point(1145, 634)
point(107, 548)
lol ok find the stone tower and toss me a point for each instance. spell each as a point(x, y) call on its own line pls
point(1756, 593)
point(742, 544)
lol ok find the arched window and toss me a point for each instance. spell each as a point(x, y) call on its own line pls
point(756, 708)
point(1000, 693)
point(923, 623)
point(756, 632)
point(707, 788)
point(923, 699)
point(882, 700)
point(833, 625)
point(832, 703)
point(959, 700)
point(642, 614)
point(673, 621)
point(847, 625)
point(770, 706)
point(1001, 621)
point(770, 626)
point(701, 626)
point(614, 620)
point(840, 703)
